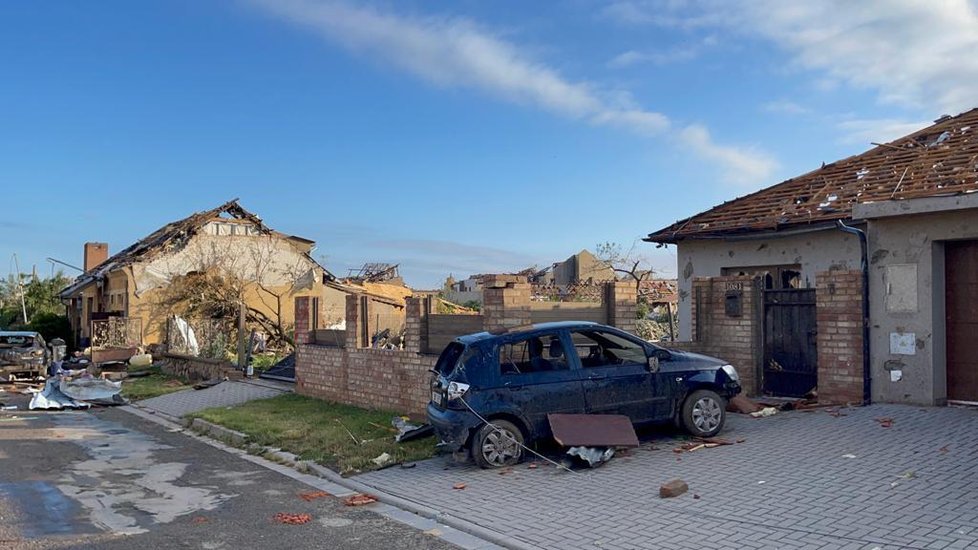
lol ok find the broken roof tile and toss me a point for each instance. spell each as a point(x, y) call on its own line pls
point(905, 168)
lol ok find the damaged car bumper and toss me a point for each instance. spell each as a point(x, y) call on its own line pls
point(452, 427)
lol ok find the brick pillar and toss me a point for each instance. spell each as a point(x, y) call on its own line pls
point(354, 333)
point(505, 302)
point(839, 314)
point(302, 321)
point(621, 300)
point(416, 324)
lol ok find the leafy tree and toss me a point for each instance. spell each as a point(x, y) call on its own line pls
point(40, 298)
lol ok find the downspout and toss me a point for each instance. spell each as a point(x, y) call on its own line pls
point(864, 264)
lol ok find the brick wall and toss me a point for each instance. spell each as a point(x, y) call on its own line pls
point(397, 380)
point(733, 338)
point(621, 299)
point(838, 298)
point(197, 369)
point(390, 380)
point(302, 320)
point(505, 302)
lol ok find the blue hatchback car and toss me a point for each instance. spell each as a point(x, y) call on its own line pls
point(514, 379)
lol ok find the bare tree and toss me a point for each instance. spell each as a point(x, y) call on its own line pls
point(213, 277)
point(625, 263)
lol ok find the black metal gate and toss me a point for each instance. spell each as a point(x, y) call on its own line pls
point(790, 348)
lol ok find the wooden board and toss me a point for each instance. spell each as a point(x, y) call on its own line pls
point(442, 329)
point(593, 430)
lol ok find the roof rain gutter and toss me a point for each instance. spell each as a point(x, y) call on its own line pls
point(864, 263)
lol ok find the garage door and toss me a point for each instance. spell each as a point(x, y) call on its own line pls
point(961, 307)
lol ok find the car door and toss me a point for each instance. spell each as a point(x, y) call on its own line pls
point(538, 378)
point(616, 376)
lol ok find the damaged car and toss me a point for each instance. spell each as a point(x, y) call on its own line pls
point(513, 379)
point(22, 353)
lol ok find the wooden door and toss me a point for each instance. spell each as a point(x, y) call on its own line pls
point(961, 310)
point(790, 351)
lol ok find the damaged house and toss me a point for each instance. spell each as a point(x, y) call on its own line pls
point(220, 251)
point(774, 280)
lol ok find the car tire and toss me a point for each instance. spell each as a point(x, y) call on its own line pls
point(703, 413)
point(497, 445)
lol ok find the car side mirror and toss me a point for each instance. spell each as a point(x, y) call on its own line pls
point(653, 363)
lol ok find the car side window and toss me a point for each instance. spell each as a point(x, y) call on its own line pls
point(603, 349)
point(538, 353)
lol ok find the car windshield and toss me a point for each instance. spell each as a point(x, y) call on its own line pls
point(16, 341)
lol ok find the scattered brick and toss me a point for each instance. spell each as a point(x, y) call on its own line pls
point(291, 519)
point(359, 500)
point(313, 495)
point(673, 488)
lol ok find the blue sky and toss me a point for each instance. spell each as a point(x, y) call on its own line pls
point(449, 137)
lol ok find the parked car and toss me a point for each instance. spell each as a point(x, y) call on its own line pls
point(22, 352)
point(514, 379)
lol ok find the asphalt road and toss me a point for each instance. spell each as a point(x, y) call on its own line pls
point(106, 479)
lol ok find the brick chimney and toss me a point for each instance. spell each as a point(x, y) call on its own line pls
point(95, 253)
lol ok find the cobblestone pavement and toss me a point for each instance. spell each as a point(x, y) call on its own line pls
point(799, 480)
point(224, 394)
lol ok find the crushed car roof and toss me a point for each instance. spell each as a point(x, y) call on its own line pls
point(939, 160)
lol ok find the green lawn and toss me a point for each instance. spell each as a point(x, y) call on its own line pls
point(320, 431)
point(157, 383)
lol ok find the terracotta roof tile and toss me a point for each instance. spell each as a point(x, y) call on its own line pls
point(941, 159)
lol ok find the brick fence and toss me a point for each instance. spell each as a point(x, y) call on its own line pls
point(735, 334)
point(839, 313)
point(397, 380)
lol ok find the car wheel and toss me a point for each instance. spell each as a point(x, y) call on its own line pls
point(703, 413)
point(497, 445)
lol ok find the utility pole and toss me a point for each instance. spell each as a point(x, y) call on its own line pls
point(20, 285)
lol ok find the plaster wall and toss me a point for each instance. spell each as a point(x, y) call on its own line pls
point(815, 252)
point(907, 293)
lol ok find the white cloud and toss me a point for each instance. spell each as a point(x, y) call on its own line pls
point(785, 106)
point(454, 52)
point(881, 130)
point(912, 53)
point(632, 57)
point(746, 166)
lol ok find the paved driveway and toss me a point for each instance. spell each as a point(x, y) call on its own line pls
point(225, 394)
point(799, 480)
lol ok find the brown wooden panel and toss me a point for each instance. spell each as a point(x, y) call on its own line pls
point(961, 310)
point(596, 314)
point(329, 337)
point(442, 329)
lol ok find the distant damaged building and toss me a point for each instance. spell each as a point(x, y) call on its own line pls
point(227, 242)
point(774, 279)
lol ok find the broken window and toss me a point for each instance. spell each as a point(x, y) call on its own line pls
point(538, 353)
point(774, 277)
point(603, 349)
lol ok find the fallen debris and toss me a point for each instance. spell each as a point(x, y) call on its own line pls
point(593, 430)
point(673, 488)
point(201, 385)
point(292, 519)
point(593, 456)
point(313, 495)
point(765, 412)
point(884, 422)
point(945, 449)
point(407, 431)
point(848, 455)
point(359, 499)
point(199, 520)
point(382, 460)
point(459, 486)
point(743, 405)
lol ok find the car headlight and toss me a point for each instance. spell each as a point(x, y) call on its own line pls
point(731, 372)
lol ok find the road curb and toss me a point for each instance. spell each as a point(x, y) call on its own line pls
point(474, 529)
point(227, 435)
point(276, 460)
